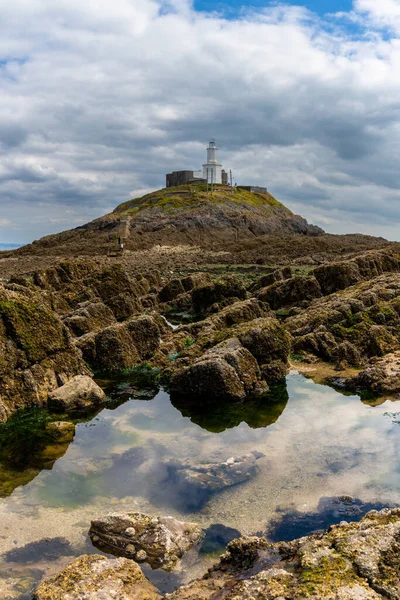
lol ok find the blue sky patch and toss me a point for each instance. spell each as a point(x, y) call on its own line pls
point(322, 7)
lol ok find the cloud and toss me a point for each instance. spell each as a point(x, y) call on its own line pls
point(98, 101)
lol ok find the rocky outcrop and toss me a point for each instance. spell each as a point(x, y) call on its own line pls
point(341, 275)
point(265, 338)
point(94, 577)
point(356, 561)
point(227, 371)
point(159, 541)
point(381, 376)
point(79, 394)
point(270, 278)
point(291, 292)
point(36, 352)
point(223, 291)
point(350, 561)
point(122, 345)
point(351, 326)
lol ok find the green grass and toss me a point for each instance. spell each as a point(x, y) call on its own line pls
point(192, 196)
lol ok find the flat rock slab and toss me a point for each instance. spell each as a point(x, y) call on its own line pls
point(94, 577)
point(159, 541)
point(79, 394)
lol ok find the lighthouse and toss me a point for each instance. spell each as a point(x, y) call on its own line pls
point(212, 169)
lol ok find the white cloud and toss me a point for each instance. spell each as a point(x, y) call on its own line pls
point(99, 100)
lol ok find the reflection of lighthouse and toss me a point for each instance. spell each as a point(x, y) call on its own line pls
point(212, 169)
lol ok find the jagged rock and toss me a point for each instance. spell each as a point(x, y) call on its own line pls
point(356, 561)
point(92, 316)
point(275, 371)
point(351, 326)
point(159, 541)
point(81, 393)
point(267, 280)
point(171, 290)
point(209, 378)
point(122, 345)
point(196, 484)
point(221, 290)
point(94, 577)
point(340, 275)
point(290, 292)
point(265, 338)
point(382, 376)
point(36, 352)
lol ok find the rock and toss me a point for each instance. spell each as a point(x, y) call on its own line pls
point(382, 376)
point(222, 290)
point(122, 345)
point(81, 393)
point(244, 363)
point(265, 339)
point(36, 352)
point(352, 561)
point(340, 275)
point(92, 316)
point(171, 290)
point(267, 280)
point(196, 484)
point(275, 371)
point(291, 292)
point(94, 577)
point(160, 541)
point(209, 378)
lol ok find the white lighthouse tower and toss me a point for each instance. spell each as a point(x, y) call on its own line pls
point(212, 170)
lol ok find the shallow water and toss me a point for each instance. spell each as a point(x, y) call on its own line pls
point(318, 445)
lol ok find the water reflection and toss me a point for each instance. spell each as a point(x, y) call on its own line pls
point(217, 417)
point(309, 442)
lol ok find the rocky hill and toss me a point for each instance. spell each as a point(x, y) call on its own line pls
point(185, 215)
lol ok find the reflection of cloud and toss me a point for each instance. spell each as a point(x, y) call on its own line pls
point(97, 105)
point(5, 222)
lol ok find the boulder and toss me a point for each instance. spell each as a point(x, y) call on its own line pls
point(159, 541)
point(110, 350)
point(382, 376)
point(209, 378)
point(79, 394)
point(92, 316)
point(265, 338)
point(122, 345)
point(291, 292)
point(171, 290)
point(95, 577)
point(232, 352)
point(222, 290)
point(270, 278)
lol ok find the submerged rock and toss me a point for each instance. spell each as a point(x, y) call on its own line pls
point(159, 541)
point(81, 393)
point(98, 578)
point(196, 484)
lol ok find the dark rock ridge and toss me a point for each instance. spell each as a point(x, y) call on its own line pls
point(350, 561)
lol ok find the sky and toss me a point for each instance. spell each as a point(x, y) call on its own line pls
point(99, 99)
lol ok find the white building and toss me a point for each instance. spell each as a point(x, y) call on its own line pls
point(212, 169)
